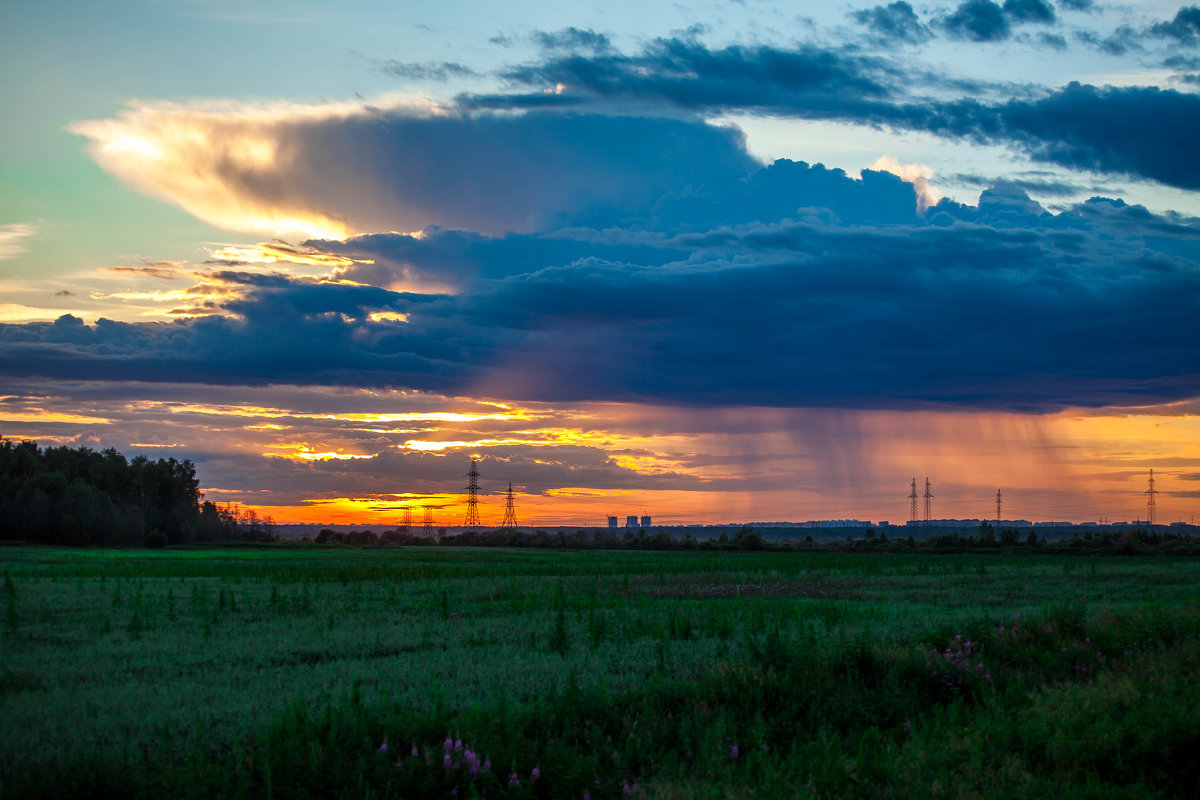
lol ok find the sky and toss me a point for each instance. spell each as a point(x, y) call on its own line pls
point(716, 263)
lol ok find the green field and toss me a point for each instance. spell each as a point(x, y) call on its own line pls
point(280, 671)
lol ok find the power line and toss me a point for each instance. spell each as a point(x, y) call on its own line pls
point(1150, 509)
point(472, 520)
point(510, 511)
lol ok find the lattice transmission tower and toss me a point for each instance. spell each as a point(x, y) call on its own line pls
point(998, 508)
point(510, 510)
point(427, 521)
point(407, 519)
point(928, 502)
point(912, 503)
point(1150, 492)
point(472, 521)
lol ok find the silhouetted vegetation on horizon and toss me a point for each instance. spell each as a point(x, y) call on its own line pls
point(1130, 542)
point(77, 496)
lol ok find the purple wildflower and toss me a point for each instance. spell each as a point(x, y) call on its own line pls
point(458, 745)
point(448, 745)
point(513, 781)
point(446, 761)
point(733, 751)
point(535, 774)
point(383, 747)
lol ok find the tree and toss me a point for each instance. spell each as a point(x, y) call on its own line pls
point(76, 496)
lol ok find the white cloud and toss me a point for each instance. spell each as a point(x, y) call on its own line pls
point(916, 174)
point(336, 169)
point(233, 165)
point(13, 239)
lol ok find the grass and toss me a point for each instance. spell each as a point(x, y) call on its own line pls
point(283, 670)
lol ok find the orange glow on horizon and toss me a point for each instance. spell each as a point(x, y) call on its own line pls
point(303, 452)
point(719, 465)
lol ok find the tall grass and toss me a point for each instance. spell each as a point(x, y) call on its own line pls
point(285, 672)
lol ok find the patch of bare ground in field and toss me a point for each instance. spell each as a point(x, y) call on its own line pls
point(716, 586)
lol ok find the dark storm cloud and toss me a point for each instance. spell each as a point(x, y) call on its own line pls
point(426, 72)
point(782, 190)
point(985, 21)
point(830, 292)
point(455, 256)
point(895, 22)
point(1043, 184)
point(573, 39)
point(495, 173)
point(690, 75)
point(978, 21)
point(1181, 31)
point(1139, 131)
point(1033, 11)
point(1182, 62)
point(1121, 41)
point(1052, 41)
point(1184, 28)
point(1142, 131)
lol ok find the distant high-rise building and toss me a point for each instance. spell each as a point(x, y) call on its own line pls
point(612, 522)
point(631, 521)
point(645, 522)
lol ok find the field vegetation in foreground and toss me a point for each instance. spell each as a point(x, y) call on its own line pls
point(297, 672)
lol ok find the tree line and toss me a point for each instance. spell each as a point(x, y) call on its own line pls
point(1135, 541)
point(77, 496)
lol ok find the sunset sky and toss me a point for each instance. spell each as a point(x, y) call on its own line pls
point(714, 262)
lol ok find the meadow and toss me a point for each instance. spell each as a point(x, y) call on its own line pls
point(293, 671)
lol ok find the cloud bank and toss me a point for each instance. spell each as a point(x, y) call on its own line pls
point(794, 286)
point(584, 235)
point(1141, 131)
